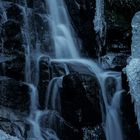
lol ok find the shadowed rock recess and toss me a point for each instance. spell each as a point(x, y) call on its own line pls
point(45, 97)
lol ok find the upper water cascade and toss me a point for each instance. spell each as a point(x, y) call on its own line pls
point(62, 33)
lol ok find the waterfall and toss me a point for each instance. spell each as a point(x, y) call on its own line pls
point(113, 123)
point(34, 114)
point(34, 98)
point(111, 114)
point(53, 94)
point(32, 76)
point(61, 30)
point(65, 52)
point(100, 27)
point(113, 128)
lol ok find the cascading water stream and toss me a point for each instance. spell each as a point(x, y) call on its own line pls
point(62, 36)
point(113, 129)
point(65, 47)
point(113, 124)
point(112, 121)
point(52, 98)
point(100, 27)
point(31, 77)
point(34, 114)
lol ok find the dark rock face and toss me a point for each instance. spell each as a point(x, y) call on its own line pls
point(14, 11)
point(79, 97)
point(130, 127)
point(42, 29)
point(12, 50)
point(119, 14)
point(77, 106)
point(14, 94)
point(82, 14)
point(11, 29)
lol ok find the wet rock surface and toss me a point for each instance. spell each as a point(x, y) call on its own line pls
point(78, 106)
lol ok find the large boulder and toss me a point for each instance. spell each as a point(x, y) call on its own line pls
point(79, 102)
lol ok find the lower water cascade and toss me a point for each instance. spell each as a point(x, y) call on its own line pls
point(113, 127)
point(59, 76)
